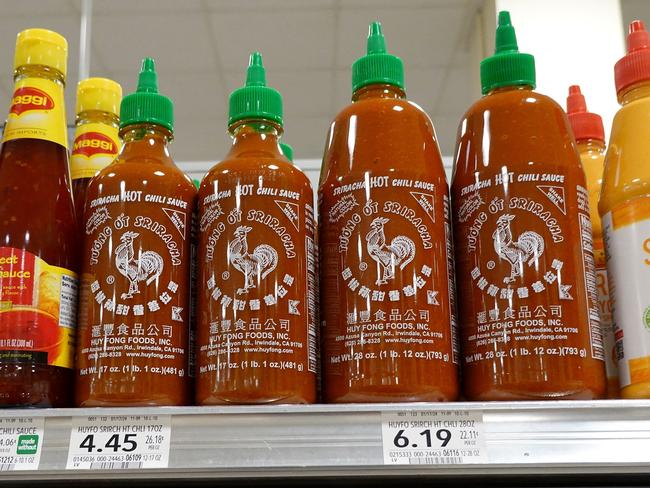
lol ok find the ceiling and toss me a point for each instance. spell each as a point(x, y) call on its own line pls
point(202, 47)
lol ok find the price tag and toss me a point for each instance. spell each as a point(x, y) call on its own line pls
point(119, 442)
point(433, 437)
point(21, 443)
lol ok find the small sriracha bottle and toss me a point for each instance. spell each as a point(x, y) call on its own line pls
point(257, 272)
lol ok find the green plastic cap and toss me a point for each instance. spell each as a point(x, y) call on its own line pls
point(508, 67)
point(146, 105)
point(197, 183)
point(255, 100)
point(287, 150)
point(377, 66)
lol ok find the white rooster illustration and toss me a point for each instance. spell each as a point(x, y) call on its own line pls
point(527, 248)
point(399, 252)
point(259, 263)
point(147, 267)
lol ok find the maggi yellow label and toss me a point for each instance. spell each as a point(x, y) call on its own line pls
point(95, 147)
point(37, 112)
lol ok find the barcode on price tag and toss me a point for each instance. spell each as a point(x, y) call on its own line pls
point(21, 441)
point(440, 437)
point(110, 442)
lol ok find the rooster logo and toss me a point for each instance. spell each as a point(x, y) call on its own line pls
point(257, 264)
point(399, 252)
point(527, 248)
point(147, 267)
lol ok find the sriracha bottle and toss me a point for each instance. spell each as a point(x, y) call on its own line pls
point(38, 241)
point(525, 267)
point(384, 234)
point(133, 346)
point(257, 274)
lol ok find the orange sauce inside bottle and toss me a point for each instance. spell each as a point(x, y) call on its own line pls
point(386, 270)
point(525, 268)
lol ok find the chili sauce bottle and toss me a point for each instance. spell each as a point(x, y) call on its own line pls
point(96, 142)
point(257, 323)
point(625, 209)
point(38, 245)
point(525, 267)
point(384, 234)
point(590, 139)
point(135, 292)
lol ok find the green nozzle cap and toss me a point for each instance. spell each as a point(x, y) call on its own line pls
point(377, 66)
point(146, 105)
point(287, 150)
point(255, 100)
point(197, 183)
point(508, 67)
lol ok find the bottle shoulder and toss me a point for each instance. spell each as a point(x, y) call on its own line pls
point(275, 168)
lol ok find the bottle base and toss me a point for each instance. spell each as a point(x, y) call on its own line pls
point(236, 398)
point(26, 385)
point(637, 391)
point(518, 395)
point(387, 396)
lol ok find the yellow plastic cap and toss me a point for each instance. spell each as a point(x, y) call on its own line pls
point(41, 47)
point(99, 94)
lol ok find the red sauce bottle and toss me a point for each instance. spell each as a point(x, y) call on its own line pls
point(384, 235)
point(135, 293)
point(257, 306)
point(38, 282)
point(525, 266)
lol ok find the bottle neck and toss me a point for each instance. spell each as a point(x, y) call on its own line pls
point(591, 145)
point(97, 117)
point(261, 136)
point(146, 140)
point(379, 91)
point(509, 88)
point(634, 92)
point(39, 71)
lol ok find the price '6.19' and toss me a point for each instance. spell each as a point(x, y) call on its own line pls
point(443, 435)
point(127, 443)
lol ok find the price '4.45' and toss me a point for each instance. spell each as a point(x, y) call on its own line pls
point(443, 435)
point(127, 444)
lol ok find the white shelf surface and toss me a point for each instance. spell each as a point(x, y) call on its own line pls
point(522, 438)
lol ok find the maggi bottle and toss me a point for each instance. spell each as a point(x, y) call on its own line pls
point(135, 293)
point(386, 259)
point(590, 138)
point(257, 309)
point(625, 209)
point(38, 241)
point(525, 268)
point(96, 142)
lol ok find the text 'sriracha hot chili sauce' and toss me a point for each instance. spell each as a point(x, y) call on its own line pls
point(527, 291)
point(625, 209)
point(135, 292)
point(38, 250)
point(96, 141)
point(257, 306)
point(384, 233)
point(590, 139)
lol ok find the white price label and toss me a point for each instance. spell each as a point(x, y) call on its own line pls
point(21, 442)
point(433, 437)
point(119, 442)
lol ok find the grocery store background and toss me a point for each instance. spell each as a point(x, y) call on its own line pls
point(201, 48)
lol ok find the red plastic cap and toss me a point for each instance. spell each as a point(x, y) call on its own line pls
point(585, 125)
point(635, 65)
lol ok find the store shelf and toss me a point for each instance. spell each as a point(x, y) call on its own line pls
point(526, 438)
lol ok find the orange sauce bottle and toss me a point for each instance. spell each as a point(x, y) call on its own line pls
point(38, 245)
point(590, 138)
point(525, 267)
point(96, 141)
point(384, 234)
point(257, 306)
point(133, 346)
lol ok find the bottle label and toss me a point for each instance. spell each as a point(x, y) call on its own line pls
point(527, 295)
point(258, 283)
point(95, 147)
point(38, 310)
point(627, 240)
point(387, 273)
point(606, 321)
point(37, 112)
point(135, 290)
